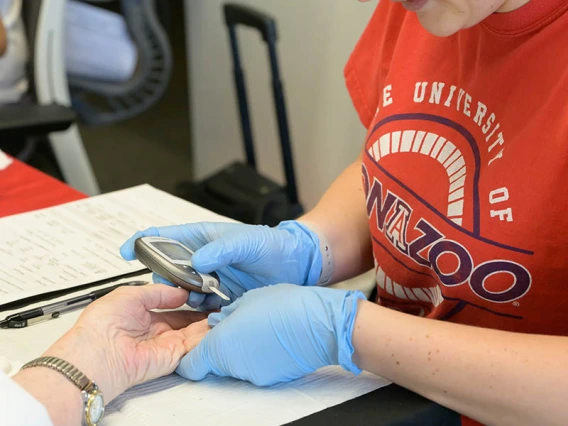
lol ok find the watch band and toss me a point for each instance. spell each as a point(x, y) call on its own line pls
point(93, 401)
point(65, 368)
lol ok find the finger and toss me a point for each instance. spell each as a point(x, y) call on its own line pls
point(160, 296)
point(205, 232)
point(211, 303)
point(194, 365)
point(220, 253)
point(217, 317)
point(194, 333)
point(195, 299)
point(177, 320)
point(127, 248)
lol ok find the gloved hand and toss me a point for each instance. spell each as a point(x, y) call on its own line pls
point(244, 256)
point(277, 334)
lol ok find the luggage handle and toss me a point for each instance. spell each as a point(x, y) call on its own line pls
point(237, 14)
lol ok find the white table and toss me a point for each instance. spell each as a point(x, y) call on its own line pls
point(211, 402)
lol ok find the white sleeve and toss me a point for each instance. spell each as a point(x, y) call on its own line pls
point(19, 408)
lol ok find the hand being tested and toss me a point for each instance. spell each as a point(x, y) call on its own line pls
point(244, 256)
point(277, 334)
point(119, 342)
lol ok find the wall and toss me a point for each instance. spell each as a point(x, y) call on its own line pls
point(316, 38)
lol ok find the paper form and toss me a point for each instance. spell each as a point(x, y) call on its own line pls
point(174, 401)
point(78, 243)
point(215, 401)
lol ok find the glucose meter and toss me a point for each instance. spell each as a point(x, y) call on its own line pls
point(172, 260)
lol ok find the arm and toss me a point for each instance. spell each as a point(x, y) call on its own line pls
point(495, 377)
point(59, 396)
point(251, 256)
point(117, 342)
point(492, 376)
point(341, 217)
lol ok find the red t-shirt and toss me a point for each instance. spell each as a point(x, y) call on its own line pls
point(465, 165)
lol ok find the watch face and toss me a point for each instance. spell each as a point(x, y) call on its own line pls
point(96, 408)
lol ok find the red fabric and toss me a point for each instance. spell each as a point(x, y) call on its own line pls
point(464, 165)
point(23, 189)
point(529, 18)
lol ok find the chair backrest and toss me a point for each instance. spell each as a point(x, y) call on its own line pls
point(124, 100)
point(30, 13)
point(49, 88)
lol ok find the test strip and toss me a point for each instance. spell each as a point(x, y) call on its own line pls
point(218, 293)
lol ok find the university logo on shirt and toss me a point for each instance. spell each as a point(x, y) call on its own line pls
point(421, 176)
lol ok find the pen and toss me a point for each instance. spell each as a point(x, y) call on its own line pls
point(53, 310)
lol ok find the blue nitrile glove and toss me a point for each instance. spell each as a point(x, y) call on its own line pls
point(244, 256)
point(277, 334)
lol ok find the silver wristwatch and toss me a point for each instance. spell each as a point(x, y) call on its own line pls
point(93, 401)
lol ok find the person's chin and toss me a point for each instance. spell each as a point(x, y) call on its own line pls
point(439, 27)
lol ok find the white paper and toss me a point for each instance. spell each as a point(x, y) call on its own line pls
point(175, 401)
point(5, 161)
point(78, 243)
point(107, 220)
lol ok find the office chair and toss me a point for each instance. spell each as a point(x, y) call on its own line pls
point(118, 101)
point(34, 120)
point(44, 22)
point(51, 117)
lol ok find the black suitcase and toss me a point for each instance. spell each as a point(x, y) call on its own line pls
point(239, 191)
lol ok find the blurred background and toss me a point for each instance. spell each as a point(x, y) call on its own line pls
point(183, 123)
point(155, 146)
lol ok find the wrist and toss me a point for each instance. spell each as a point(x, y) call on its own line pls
point(321, 265)
point(345, 323)
point(86, 352)
point(60, 397)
